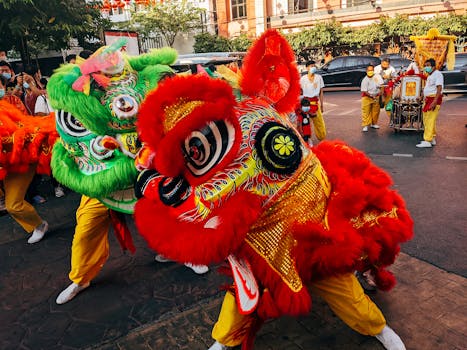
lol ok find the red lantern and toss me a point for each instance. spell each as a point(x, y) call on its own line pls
point(105, 7)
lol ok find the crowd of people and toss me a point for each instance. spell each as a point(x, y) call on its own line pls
point(375, 95)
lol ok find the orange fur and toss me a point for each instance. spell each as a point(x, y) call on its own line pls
point(25, 140)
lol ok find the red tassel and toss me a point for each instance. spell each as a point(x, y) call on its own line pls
point(121, 231)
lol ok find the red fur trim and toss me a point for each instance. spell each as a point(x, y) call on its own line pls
point(25, 140)
point(190, 241)
point(269, 71)
point(219, 103)
point(358, 186)
point(384, 279)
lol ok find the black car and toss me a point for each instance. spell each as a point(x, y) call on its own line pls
point(456, 80)
point(346, 70)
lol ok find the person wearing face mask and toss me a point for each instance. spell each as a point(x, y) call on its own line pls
point(14, 190)
point(387, 73)
point(433, 97)
point(304, 120)
point(8, 96)
point(12, 88)
point(371, 89)
point(312, 85)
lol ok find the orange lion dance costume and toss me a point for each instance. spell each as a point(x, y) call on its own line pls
point(235, 181)
point(25, 140)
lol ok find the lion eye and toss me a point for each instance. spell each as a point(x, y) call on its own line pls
point(124, 106)
point(70, 125)
point(205, 148)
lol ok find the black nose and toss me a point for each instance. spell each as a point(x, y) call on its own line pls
point(174, 191)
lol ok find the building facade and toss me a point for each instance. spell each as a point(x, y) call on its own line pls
point(252, 17)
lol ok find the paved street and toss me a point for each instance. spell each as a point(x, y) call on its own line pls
point(136, 303)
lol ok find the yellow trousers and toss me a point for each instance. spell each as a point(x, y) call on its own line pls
point(319, 126)
point(16, 186)
point(429, 123)
point(344, 295)
point(90, 247)
point(370, 111)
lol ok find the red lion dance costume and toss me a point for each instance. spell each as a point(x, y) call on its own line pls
point(235, 181)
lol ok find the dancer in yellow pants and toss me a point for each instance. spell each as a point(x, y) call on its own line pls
point(15, 186)
point(370, 88)
point(344, 295)
point(90, 247)
point(433, 92)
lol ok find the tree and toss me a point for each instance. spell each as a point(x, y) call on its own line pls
point(240, 43)
point(168, 19)
point(206, 42)
point(33, 26)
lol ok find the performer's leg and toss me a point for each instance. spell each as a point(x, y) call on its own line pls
point(319, 125)
point(366, 111)
point(16, 185)
point(375, 109)
point(346, 298)
point(429, 122)
point(90, 247)
point(232, 327)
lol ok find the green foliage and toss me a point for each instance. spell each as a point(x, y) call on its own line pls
point(33, 26)
point(241, 43)
point(206, 42)
point(167, 19)
point(388, 29)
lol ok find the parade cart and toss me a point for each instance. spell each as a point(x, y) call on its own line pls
point(407, 101)
point(407, 104)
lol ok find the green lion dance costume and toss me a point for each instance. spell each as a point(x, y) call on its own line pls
point(97, 104)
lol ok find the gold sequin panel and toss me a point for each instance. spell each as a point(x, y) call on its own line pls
point(302, 200)
point(177, 112)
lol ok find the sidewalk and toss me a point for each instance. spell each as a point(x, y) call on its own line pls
point(136, 303)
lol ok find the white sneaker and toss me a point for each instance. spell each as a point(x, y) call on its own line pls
point(433, 142)
point(162, 259)
point(38, 232)
point(375, 126)
point(70, 292)
point(424, 144)
point(365, 129)
point(390, 340)
point(219, 346)
point(59, 192)
point(199, 269)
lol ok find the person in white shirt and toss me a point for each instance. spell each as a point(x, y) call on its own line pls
point(433, 96)
point(385, 70)
point(387, 73)
point(371, 89)
point(312, 85)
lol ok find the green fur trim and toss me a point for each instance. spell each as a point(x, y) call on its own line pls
point(121, 176)
point(85, 108)
point(166, 56)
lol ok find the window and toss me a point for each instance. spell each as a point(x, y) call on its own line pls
point(297, 6)
point(336, 63)
point(238, 9)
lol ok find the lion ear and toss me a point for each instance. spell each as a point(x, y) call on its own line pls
point(269, 71)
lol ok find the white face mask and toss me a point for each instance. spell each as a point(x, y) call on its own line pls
point(312, 70)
